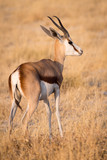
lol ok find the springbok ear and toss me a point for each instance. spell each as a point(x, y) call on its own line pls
point(46, 31)
point(55, 34)
point(51, 32)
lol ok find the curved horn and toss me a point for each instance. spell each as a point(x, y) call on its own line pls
point(61, 27)
point(55, 23)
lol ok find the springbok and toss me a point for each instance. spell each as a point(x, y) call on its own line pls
point(37, 80)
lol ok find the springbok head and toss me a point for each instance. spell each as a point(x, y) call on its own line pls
point(70, 47)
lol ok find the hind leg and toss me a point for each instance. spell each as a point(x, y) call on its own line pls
point(12, 115)
point(16, 100)
point(33, 100)
point(32, 105)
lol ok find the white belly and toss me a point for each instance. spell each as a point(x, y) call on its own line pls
point(47, 89)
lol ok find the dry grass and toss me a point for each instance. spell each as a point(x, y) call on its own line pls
point(83, 105)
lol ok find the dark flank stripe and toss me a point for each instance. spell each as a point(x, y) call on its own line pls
point(47, 70)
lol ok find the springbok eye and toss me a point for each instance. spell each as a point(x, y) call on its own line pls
point(70, 42)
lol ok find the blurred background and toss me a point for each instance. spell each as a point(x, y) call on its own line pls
point(83, 107)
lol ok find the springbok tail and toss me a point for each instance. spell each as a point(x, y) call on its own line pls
point(17, 97)
point(18, 105)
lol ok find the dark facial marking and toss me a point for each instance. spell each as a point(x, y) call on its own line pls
point(70, 42)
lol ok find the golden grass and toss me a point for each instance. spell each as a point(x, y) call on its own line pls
point(83, 103)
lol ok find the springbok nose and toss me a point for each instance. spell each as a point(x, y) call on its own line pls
point(81, 51)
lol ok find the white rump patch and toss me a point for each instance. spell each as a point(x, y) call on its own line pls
point(16, 81)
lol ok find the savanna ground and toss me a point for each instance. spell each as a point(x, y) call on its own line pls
point(83, 101)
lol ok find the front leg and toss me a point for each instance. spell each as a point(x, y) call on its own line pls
point(57, 99)
point(46, 101)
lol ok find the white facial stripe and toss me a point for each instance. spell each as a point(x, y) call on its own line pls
point(71, 49)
